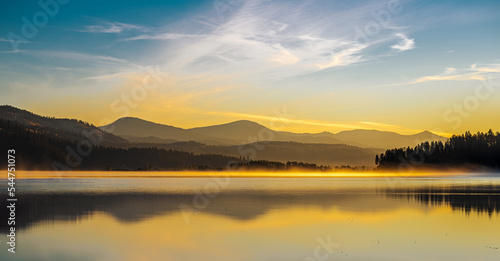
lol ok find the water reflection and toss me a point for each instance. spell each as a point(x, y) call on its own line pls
point(468, 199)
point(245, 204)
point(130, 207)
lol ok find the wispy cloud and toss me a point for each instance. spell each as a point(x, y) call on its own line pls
point(285, 56)
point(492, 68)
point(111, 28)
point(378, 124)
point(406, 43)
point(163, 36)
point(5, 40)
point(474, 72)
point(345, 57)
point(78, 56)
point(13, 51)
point(337, 126)
point(85, 66)
point(289, 120)
point(464, 77)
point(281, 39)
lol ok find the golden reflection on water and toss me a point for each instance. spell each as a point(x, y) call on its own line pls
point(281, 234)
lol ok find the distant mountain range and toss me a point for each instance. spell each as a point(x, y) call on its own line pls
point(240, 139)
point(244, 132)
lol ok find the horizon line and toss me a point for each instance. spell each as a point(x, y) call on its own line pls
point(263, 117)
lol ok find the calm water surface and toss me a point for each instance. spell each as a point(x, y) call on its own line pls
point(454, 218)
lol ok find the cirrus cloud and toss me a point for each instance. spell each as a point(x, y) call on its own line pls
point(405, 44)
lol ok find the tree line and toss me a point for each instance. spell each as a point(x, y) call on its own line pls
point(480, 149)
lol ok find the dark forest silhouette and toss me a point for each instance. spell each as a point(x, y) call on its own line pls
point(480, 149)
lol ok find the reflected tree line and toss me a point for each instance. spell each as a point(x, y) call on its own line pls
point(239, 205)
point(47, 208)
point(480, 149)
point(480, 199)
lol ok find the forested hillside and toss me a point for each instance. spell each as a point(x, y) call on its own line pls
point(480, 149)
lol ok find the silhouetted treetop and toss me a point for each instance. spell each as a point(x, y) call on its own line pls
point(481, 149)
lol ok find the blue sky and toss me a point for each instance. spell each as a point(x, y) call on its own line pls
point(331, 65)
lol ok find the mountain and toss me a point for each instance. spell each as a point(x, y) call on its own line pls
point(244, 132)
point(68, 129)
point(385, 139)
point(135, 129)
point(233, 133)
point(239, 131)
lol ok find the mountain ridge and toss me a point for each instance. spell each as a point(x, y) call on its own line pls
point(246, 139)
point(245, 131)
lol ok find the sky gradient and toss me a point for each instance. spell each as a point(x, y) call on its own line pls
point(402, 66)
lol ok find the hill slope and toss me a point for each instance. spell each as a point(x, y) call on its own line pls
point(135, 129)
point(68, 129)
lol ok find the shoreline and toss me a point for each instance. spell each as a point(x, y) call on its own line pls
point(236, 174)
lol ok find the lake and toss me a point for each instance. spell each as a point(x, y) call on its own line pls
point(227, 218)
